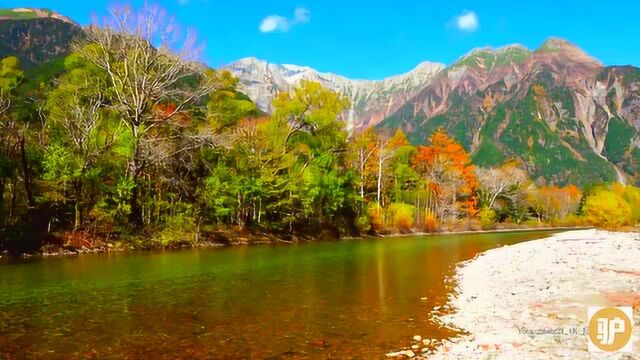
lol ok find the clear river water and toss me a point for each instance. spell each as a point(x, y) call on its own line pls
point(346, 299)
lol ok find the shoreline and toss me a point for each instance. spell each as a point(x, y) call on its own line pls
point(233, 239)
point(505, 299)
point(466, 232)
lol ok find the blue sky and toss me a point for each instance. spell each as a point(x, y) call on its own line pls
point(377, 38)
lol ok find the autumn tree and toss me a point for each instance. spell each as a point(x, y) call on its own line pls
point(551, 202)
point(449, 175)
point(613, 206)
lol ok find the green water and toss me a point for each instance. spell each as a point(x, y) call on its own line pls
point(348, 299)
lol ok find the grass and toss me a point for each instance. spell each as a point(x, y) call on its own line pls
point(22, 15)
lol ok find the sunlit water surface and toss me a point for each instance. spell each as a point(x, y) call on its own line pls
point(347, 299)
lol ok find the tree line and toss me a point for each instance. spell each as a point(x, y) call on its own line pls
point(133, 136)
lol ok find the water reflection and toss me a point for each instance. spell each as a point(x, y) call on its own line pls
point(345, 299)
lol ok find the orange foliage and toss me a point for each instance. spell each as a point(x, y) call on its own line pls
point(446, 164)
point(553, 202)
point(430, 223)
point(168, 110)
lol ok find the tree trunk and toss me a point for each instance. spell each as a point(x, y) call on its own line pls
point(1, 202)
point(379, 192)
point(135, 214)
point(362, 167)
point(25, 173)
point(77, 208)
point(13, 201)
point(135, 167)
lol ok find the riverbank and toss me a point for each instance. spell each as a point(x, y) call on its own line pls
point(508, 299)
point(233, 237)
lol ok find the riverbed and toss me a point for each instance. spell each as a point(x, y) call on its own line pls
point(530, 300)
point(346, 299)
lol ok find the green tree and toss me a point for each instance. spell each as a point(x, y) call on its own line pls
point(152, 86)
point(82, 133)
point(11, 76)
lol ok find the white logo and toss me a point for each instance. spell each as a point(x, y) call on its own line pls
point(607, 329)
point(610, 329)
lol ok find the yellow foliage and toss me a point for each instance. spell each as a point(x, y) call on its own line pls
point(487, 218)
point(607, 208)
point(538, 90)
point(400, 216)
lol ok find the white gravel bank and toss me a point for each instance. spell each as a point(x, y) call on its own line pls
point(529, 301)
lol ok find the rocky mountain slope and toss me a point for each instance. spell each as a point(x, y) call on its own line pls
point(371, 101)
point(36, 36)
point(564, 115)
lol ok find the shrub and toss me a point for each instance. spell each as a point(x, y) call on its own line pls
point(363, 224)
point(375, 213)
point(401, 216)
point(430, 222)
point(179, 228)
point(487, 218)
point(607, 208)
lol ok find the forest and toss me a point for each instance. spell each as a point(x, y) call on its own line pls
point(129, 141)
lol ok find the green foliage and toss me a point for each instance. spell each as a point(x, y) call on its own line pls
point(114, 203)
point(21, 15)
point(618, 140)
point(543, 150)
point(400, 216)
point(488, 154)
point(226, 106)
point(10, 74)
point(489, 58)
point(180, 227)
point(487, 218)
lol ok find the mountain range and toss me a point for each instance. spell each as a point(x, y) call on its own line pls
point(566, 117)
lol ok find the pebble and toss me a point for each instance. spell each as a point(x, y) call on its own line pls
point(407, 353)
point(417, 338)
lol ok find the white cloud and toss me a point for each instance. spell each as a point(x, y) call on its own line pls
point(467, 21)
point(280, 23)
point(274, 23)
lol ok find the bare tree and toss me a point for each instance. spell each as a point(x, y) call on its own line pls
point(364, 147)
point(501, 182)
point(149, 65)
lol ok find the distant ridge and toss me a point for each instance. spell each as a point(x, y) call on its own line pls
point(33, 13)
point(36, 36)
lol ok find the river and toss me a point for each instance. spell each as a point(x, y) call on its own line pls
point(346, 299)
